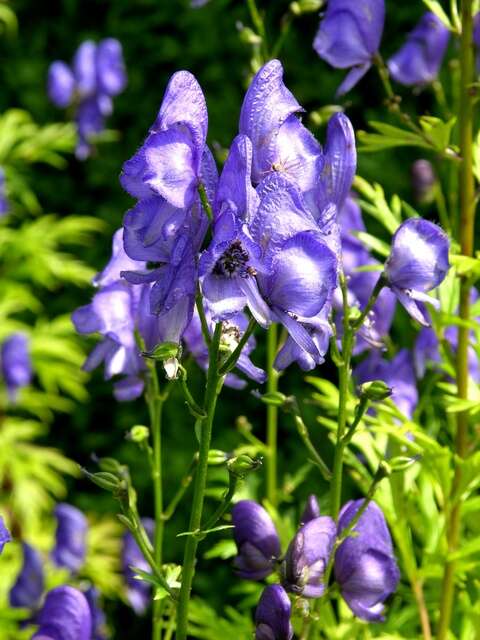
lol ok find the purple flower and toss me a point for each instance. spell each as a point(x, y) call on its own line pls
point(4, 534)
point(308, 556)
point(60, 84)
point(476, 39)
point(398, 374)
point(272, 616)
point(28, 587)
point(65, 615)
point(257, 540)
point(70, 537)
point(311, 511)
point(98, 616)
point(110, 67)
point(365, 565)
point(349, 36)
point(424, 181)
point(419, 60)
point(138, 591)
point(16, 365)
point(4, 206)
point(418, 263)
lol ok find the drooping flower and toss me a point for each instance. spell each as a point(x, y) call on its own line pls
point(257, 540)
point(4, 206)
point(29, 585)
point(65, 615)
point(308, 556)
point(365, 565)
point(419, 60)
point(398, 374)
point(60, 84)
point(418, 263)
point(70, 537)
point(4, 534)
point(97, 615)
point(349, 36)
point(272, 616)
point(138, 591)
point(311, 511)
point(15, 363)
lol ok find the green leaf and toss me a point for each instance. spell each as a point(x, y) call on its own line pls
point(206, 531)
point(466, 266)
point(223, 549)
point(436, 8)
point(437, 130)
point(373, 243)
point(388, 136)
point(375, 204)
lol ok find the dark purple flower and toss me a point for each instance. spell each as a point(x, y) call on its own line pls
point(16, 363)
point(4, 534)
point(111, 74)
point(272, 616)
point(4, 206)
point(398, 374)
point(424, 181)
point(65, 615)
point(365, 565)
point(311, 511)
point(70, 538)
point(28, 587)
point(308, 556)
point(90, 122)
point(257, 540)
point(98, 616)
point(349, 36)
point(60, 84)
point(138, 591)
point(418, 263)
point(419, 60)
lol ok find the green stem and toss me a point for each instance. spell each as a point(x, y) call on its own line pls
point(272, 416)
point(467, 220)
point(231, 361)
point(373, 298)
point(204, 200)
point(184, 484)
point(284, 31)
point(222, 508)
point(259, 26)
point(189, 557)
point(316, 457)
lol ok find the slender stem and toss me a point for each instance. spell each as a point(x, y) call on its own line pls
point(204, 200)
point(259, 26)
point(305, 436)
point(359, 413)
point(284, 31)
point(272, 416)
point(188, 571)
point(184, 484)
point(222, 508)
point(203, 318)
point(230, 362)
point(467, 220)
point(368, 307)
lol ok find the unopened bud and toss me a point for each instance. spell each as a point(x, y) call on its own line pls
point(274, 398)
point(375, 390)
point(248, 36)
point(217, 457)
point(103, 479)
point(171, 367)
point(163, 351)
point(306, 6)
point(241, 465)
point(110, 464)
point(139, 433)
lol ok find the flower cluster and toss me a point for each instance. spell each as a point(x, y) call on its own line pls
point(364, 563)
point(96, 75)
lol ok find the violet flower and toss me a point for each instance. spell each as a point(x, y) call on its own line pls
point(418, 263)
point(424, 181)
point(65, 615)
point(60, 84)
point(419, 60)
point(257, 540)
point(15, 363)
point(365, 565)
point(308, 556)
point(311, 511)
point(4, 206)
point(97, 615)
point(70, 537)
point(349, 37)
point(29, 585)
point(272, 616)
point(138, 591)
point(398, 374)
point(4, 534)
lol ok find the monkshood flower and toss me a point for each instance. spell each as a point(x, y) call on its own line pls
point(272, 616)
point(28, 587)
point(398, 374)
point(138, 591)
point(257, 540)
point(232, 331)
point(349, 37)
point(4, 534)
point(419, 60)
point(307, 557)
point(70, 537)
point(418, 263)
point(424, 181)
point(311, 511)
point(65, 615)
point(4, 207)
point(365, 565)
point(98, 616)
point(15, 362)
point(97, 75)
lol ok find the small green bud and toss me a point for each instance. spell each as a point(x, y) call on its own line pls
point(248, 36)
point(241, 465)
point(306, 6)
point(217, 457)
point(402, 463)
point(162, 351)
point(139, 433)
point(274, 398)
point(110, 464)
point(103, 479)
point(375, 390)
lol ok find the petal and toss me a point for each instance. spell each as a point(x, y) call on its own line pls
point(411, 306)
point(128, 388)
point(353, 76)
point(256, 303)
point(65, 614)
point(118, 262)
point(223, 295)
point(111, 74)
point(84, 68)
point(61, 84)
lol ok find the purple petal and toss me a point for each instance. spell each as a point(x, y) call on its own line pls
point(70, 537)
point(353, 76)
point(118, 262)
point(30, 582)
point(61, 84)
point(128, 389)
point(84, 68)
point(111, 74)
point(272, 616)
point(65, 615)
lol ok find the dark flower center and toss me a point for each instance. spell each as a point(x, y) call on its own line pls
point(233, 262)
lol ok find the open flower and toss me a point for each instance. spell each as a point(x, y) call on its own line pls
point(365, 565)
point(419, 60)
point(418, 263)
point(272, 616)
point(308, 556)
point(257, 540)
point(28, 587)
point(349, 36)
point(70, 537)
point(65, 615)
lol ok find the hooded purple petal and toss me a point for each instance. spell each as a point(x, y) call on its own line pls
point(419, 60)
point(111, 74)
point(272, 616)
point(311, 511)
point(98, 616)
point(65, 615)
point(117, 263)
point(29, 585)
point(70, 538)
point(84, 68)
point(60, 84)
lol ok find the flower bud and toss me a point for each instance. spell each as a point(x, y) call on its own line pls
point(375, 390)
point(308, 556)
point(306, 6)
point(272, 617)
point(365, 565)
point(171, 367)
point(241, 465)
point(424, 181)
point(139, 433)
point(248, 36)
point(311, 511)
point(257, 540)
point(216, 457)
